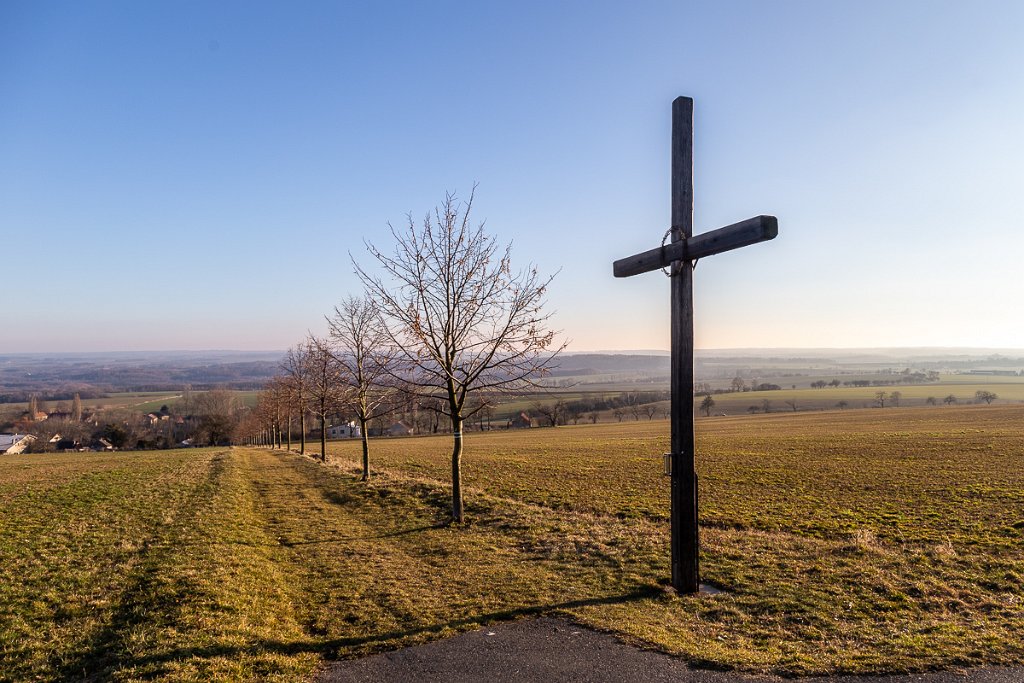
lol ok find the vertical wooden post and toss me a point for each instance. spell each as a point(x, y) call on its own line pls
point(685, 548)
point(681, 256)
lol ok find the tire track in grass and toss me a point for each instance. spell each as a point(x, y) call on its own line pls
point(375, 566)
point(210, 604)
point(145, 597)
point(153, 568)
point(340, 564)
point(66, 548)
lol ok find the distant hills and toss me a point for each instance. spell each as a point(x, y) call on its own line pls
point(60, 375)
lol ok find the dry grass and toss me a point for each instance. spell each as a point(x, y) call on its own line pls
point(859, 541)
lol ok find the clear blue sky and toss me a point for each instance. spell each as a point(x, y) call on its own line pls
point(184, 175)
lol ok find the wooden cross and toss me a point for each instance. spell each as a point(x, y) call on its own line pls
point(681, 254)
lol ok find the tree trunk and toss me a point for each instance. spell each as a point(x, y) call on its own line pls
point(323, 438)
point(366, 448)
point(457, 507)
point(289, 432)
point(302, 432)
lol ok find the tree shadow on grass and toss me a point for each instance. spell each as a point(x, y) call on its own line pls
point(104, 659)
point(372, 537)
point(357, 493)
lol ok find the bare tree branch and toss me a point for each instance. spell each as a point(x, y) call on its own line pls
point(460, 319)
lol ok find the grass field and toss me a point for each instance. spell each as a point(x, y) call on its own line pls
point(853, 541)
point(140, 401)
point(962, 387)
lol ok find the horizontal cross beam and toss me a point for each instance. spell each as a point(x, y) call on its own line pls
point(750, 231)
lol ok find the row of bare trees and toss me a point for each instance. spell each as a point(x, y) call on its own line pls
point(351, 371)
point(444, 320)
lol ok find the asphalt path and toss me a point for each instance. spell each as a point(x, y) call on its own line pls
point(550, 649)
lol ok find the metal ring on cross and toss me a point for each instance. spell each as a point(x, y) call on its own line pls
point(665, 270)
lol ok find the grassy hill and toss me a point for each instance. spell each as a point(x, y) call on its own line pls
point(850, 541)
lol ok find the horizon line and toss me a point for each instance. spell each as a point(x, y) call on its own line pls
point(730, 349)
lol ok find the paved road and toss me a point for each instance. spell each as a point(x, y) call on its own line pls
point(534, 650)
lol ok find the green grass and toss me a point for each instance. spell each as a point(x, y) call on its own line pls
point(961, 387)
point(856, 541)
point(140, 401)
point(134, 565)
point(143, 401)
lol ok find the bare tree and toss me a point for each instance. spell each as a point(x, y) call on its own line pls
point(895, 398)
point(880, 398)
point(296, 371)
point(218, 413)
point(363, 351)
point(486, 413)
point(986, 396)
point(554, 412)
point(791, 402)
point(633, 401)
point(327, 391)
point(257, 423)
point(281, 400)
point(462, 319)
point(652, 410)
point(707, 404)
point(284, 399)
point(273, 406)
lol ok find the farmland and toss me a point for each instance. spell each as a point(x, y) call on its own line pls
point(138, 401)
point(844, 541)
point(961, 387)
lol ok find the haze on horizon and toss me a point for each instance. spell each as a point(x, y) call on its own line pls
point(192, 176)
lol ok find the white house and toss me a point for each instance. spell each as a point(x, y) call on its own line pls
point(343, 431)
point(14, 443)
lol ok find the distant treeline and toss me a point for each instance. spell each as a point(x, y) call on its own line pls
point(59, 379)
point(24, 396)
point(600, 363)
point(634, 403)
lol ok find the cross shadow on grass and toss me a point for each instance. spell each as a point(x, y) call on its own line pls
point(106, 659)
point(640, 593)
point(145, 594)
